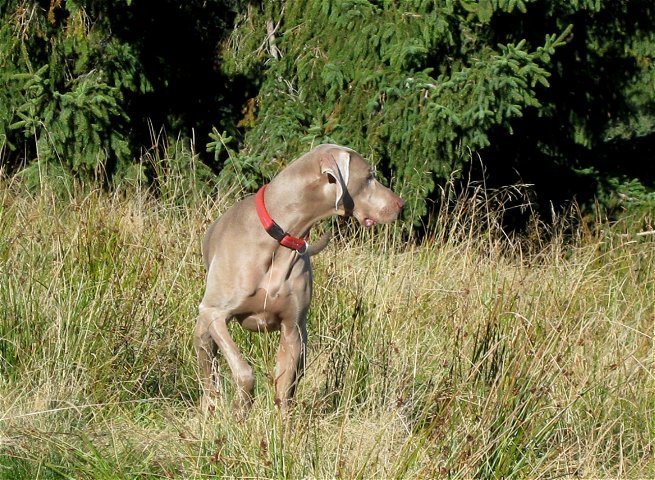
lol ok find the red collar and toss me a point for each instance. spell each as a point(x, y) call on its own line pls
point(273, 229)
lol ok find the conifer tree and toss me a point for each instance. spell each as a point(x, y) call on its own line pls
point(550, 92)
point(83, 84)
point(62, 89)
point(419, 85)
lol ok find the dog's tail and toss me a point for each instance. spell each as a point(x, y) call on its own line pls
point(319, 245)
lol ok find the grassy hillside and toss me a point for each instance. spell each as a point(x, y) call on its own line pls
point(472, 355)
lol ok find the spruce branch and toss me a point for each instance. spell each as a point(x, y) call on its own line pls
point(270, 38)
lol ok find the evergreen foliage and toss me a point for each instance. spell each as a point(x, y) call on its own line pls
point(559, 94)
point(83, 84)
point(62, 87)
point(594, 135)
point(418, 85)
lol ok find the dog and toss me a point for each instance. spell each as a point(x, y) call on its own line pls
point(258, 263)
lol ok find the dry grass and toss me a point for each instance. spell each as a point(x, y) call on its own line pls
point(472, 355)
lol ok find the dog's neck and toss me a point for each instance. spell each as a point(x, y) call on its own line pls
point(296, 210)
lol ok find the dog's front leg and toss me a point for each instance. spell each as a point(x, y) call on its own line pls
point(241, 371)
point(206, 352)
point(290, 361)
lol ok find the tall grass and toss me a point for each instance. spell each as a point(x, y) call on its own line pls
point(474, 354)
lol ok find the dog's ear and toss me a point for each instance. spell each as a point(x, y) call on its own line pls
point(336, 164)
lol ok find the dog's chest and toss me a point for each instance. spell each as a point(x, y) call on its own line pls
point(286, 275)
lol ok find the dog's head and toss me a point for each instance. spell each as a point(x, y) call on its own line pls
point(354, 188)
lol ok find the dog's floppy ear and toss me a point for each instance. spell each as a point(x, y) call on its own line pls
point(336, 164)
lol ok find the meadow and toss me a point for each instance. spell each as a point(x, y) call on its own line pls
point(474, 353)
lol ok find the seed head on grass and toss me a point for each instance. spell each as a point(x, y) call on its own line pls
point(473, 353)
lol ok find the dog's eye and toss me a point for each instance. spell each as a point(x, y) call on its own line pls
point(371, 177)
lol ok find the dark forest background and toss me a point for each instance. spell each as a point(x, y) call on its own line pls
point(556, 94)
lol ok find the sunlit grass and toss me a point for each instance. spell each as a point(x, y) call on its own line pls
point(471, 354)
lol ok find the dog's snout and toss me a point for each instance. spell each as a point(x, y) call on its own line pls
point(400, 203)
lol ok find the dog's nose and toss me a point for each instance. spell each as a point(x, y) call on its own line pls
point(400, 203)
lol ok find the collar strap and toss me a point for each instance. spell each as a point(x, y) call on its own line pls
point(273, 229)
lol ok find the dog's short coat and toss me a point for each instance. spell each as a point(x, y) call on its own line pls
point(266, 286)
